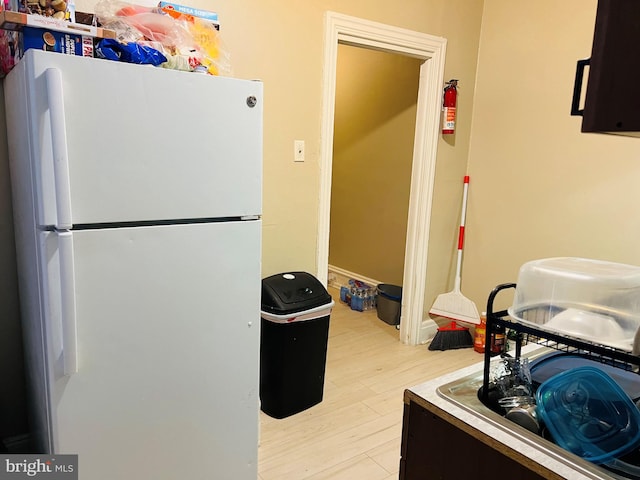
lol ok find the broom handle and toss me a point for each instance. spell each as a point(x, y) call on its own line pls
point(465, 191)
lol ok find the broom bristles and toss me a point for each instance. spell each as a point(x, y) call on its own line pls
point(451, 337)
point(455, 306)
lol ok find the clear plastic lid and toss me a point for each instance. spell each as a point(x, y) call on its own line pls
point(589, 299)
point(588, 414)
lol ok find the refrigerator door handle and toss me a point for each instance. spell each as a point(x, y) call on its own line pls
point(68, 303)
point(55, 93)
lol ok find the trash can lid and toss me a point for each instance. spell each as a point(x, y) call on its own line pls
point(393, 292)
point(292, 292)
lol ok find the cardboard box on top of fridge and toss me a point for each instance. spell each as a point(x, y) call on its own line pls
point(60, 42)
point(177, 11)
point(21, 32)
point(17, 21)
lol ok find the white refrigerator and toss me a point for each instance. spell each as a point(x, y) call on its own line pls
point(137, 203)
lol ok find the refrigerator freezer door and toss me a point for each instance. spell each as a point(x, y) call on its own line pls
point(140, 143)
point(168, 351)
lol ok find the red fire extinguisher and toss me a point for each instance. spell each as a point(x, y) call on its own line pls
point(449, 107)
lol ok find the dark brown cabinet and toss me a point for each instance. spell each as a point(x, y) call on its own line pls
point(436, 446)
point(612, 97)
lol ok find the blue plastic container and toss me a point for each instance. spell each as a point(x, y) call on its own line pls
point(588, 414)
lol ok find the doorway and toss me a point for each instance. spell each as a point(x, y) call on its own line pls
point(342, 29)
point(375, 114)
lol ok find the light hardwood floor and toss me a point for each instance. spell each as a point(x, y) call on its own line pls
point(355, 432)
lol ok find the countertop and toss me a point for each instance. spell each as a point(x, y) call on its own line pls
point(501, 439)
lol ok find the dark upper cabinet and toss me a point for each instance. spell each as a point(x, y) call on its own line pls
point(612, 98)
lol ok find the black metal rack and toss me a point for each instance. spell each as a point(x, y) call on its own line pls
point(500, 322)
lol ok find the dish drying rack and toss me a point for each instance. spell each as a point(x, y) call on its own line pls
point(500, 322)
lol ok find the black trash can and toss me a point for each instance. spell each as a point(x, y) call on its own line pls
point(388, 303)
point(293, 342)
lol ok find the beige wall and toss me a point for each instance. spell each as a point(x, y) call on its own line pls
point(540, 187)
point(375, 111)
point(281, 42)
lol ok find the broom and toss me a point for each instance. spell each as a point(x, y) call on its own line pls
point(454, 305)
point(450, 337)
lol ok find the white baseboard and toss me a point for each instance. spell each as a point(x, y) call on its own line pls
point(428, 330)
point(339, 276)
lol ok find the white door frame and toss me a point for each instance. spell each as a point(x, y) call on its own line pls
point(354, 31)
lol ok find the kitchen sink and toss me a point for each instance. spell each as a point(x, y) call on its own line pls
point(464, 394)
